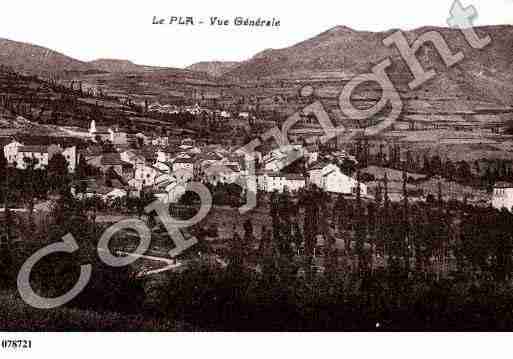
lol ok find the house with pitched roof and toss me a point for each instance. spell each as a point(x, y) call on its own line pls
point(10, 146)
point(502, 196)
point(269, 181)
point(330, 178)
point(145, 175)
point(183, 169)
point(36, 152)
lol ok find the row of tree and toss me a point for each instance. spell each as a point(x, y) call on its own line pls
point(392, 155)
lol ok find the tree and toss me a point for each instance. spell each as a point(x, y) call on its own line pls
point(5, 243)
point(311, 224)
point(3, 172)
point(405, 225)
point(248, 233)
point(449, 170)
point(58, 171)
point(360, 227)
point(378, 195)
point(410, 162)
point(427, 165)
point(436, 165)
point(463, 171)
point(30, 191)
point(3, 163)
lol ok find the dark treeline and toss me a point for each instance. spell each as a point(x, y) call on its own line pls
point(482, 172)
point(323, 263)
point(346, 264)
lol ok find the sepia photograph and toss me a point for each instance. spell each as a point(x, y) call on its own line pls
point(252, 168)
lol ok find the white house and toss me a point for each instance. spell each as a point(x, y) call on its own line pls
point(183, 169)
point(261, 179)
point(315, 172)
point(39, 153)
point(160, 141)
point(175, 191)
point(503, 196)
point(164, 167)
point(244, 115)
point(225, 114)
point(11, 150)
point(275, 181)
point(330, 178)
point(118, 137)
point(222, 173)
point(164, 178)
point(145, 175)
point(282, 157)
point(251, 182)
point(193, 110)
point(163, 156)
point(101, 132)
point(71, 156)
point(294, 182)
point(113, 193)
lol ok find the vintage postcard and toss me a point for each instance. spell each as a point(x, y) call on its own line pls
point(254, 167)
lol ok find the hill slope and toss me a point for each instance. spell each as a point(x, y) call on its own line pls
point(114, 65)
point(33, 59)
point(342, 52)
point(213, 68)
point(38, 60)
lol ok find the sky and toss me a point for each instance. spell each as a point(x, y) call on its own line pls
point(123, 29)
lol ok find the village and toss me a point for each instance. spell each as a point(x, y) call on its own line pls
point(301, 227)
point(164, 165)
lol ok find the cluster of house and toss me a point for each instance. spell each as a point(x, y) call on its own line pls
point(502, 196)
point(196, 110)
point(165, 171)
point(17, 153)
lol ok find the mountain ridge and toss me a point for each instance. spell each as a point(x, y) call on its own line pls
point(213, 68)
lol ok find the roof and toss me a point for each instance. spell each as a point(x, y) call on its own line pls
point(233, 167)
point(100, 189)
point(184, 160)
point(295, 177)
point(102, 129)
point(318, 166)
point(261, 172)
point(33, 149)
point(503, 185)
point(275, 174)
point(6, 140)
point(327, 173)
point(158, 169)
point(111, 159)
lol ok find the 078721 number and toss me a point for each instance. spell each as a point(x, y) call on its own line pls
point(16, 344)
